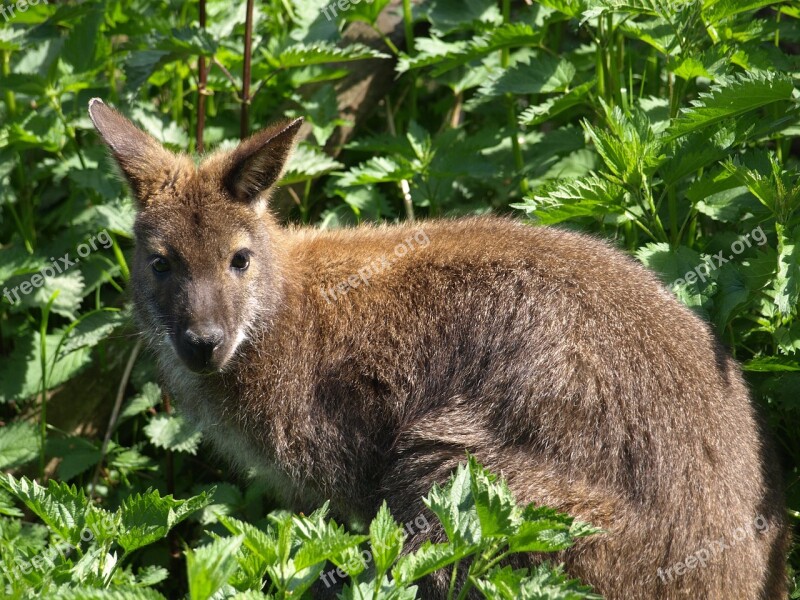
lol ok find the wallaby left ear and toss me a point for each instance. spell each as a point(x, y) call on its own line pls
point(146, 164)
point(257, 163)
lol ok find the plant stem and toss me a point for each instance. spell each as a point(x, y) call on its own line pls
point(453, 577)
point(511, 112)
point(244, 126)
point(11, 102)
point(43, 363)
point(408, 25)
point(201, 86)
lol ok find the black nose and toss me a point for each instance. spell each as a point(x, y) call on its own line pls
point(199, 345)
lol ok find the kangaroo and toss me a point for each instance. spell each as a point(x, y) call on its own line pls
point(359, 365)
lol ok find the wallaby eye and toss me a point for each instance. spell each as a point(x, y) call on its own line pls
point(240, 260)
point(160, 264)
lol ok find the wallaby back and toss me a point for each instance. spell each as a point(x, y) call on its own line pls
point(360, 364)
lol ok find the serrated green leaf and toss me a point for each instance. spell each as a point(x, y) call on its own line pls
point(497, 510)
point(209, 567)
point(454, 505)
point(117, 592)
point(532, 74)
point(173, 432)
point(379, 169)
point(715, 11)
point(787, 280)
point(318, 53)
point(445, 56)
point(92, 328)
point(19, 444)
point(451, 15)
point(77, 454)
point(586, 197)
point(533, 115)
point(61, 507)
point(386, 539)
point(262, 544)
point(328, 543)
point(429, 558)
point(730, 98)
point(544, 583)
point(149, 397)
point(307, 163)
point(771, 364)
point(677, 270)
point(147, 518)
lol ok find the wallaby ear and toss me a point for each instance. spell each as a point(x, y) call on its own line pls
point(257, 163)
point(146, 164)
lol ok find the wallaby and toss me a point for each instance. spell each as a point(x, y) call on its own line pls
point(361, 364)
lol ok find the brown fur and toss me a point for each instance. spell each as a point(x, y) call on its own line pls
point(559, 362)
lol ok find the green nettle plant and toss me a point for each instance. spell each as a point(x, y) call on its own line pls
point(666, 126)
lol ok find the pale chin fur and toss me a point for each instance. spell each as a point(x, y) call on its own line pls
point(196, 402)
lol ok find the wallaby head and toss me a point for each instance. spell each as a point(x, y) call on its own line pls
point(205, 269)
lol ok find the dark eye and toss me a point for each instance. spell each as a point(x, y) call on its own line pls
point(160, 264)
point(240, 260)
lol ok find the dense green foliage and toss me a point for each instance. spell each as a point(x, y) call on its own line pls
point(666, 126)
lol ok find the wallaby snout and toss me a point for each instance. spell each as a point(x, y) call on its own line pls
point(201, 348)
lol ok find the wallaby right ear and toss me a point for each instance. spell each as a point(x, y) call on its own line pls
point(146, 164)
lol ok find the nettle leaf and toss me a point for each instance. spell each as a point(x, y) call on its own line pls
point(771, 364)
point(787, 280)
point(562, 200)
point(91, 328)
point(544, 583)
point(379, 169)
point(630, 147)
point(450, 15)
point(732, 97)
point(714, 12)
point(533, 115)
point(151, 575)
point(386, 539)
point(532, 74)
point(775, 187)
point(455, 507)
point(572, 8)
point(61, 507)
point(117, 592)
point(77, 454)
point(19, 444)
point(262, 544)
point(495, 504)
point(173, 432)
point(732, 295)
point(306, 163)
point(429, 558)
point(147, 518)
point(318, 53)
point(209, 567)
point(690, 276)
point(788, 338)
point(327, 543)
point(444, 56)
point(148, 397)
point(365, 590)
point(545, 530)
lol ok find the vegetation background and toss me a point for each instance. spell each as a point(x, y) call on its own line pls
point(667, 126)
